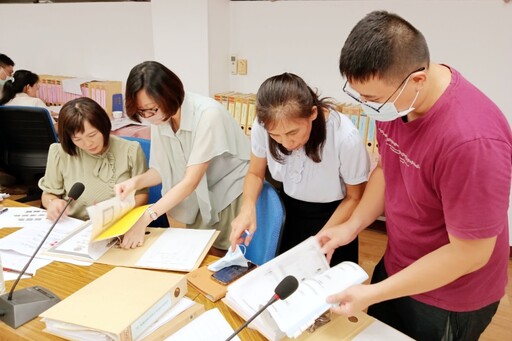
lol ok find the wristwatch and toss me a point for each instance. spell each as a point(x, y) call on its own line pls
point(152, 214)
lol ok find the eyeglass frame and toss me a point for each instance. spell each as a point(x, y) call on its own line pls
point(151, 112)
point(359, 100)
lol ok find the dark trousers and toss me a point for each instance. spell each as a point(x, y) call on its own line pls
point(305, 219)
point(425, 322)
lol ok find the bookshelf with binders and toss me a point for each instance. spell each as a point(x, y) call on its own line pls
point(241, 106)
point(108, 94)
point(366, 127)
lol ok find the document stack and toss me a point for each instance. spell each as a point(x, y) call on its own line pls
point(57, 90)
point(122, 305)
point(170, 248)
point(292, 316)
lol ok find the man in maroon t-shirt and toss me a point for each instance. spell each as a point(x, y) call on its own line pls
point(443, 181)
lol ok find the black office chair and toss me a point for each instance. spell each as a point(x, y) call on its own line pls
point(25, 136)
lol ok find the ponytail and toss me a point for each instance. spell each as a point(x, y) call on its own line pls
point(8, 92)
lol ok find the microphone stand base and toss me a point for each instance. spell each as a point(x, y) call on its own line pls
point(25, 305)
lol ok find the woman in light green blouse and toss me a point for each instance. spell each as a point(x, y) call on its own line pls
point(87, 153)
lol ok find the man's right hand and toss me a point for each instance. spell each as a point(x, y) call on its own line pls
point(333, 237)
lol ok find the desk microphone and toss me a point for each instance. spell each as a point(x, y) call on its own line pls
point(284, 289)
point(30, 302)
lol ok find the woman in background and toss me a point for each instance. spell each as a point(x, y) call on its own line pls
point(6, 70)
point(22, 91)
point(89, 154)
point(198, 153)
point(316, 153)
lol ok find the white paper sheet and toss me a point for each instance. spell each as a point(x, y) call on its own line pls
point(26, 240)
point(22, 217)
point(177, 249)
point(16, 262)
point(78, 245)
point(11, 276)
point(303, 261)
point(74, 85)
point(299, 311)
point(209, 326)
point(119, 123)
point(182, 305)
point(378, 330)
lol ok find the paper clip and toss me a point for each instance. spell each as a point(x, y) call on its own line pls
point(320, 321)
point(116, 241)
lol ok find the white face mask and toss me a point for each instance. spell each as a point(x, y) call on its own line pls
point(388, 111)
point(236, 257)
point(3, 81)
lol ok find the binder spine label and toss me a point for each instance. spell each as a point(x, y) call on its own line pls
point(150, 316)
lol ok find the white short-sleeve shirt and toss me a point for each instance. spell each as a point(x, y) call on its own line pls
point(207, 132)
point(24, 100)
point(344, 161)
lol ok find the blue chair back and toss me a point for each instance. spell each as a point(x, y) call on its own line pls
point(270, 215)
point(155, 192)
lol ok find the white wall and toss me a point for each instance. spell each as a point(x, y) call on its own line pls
point(196, 37)
point(305, 37)
point(180, 37)
point(192, 39)
point(101, 40)
point(218, 45)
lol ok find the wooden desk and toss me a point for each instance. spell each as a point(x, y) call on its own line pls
point(63, 279)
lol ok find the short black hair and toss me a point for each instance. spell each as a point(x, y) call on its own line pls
point(71, 121)
point(5, 61)
point(160, 83)
point(383, 45)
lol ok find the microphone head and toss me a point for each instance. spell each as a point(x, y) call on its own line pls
point(76, 190)
point(286, 287)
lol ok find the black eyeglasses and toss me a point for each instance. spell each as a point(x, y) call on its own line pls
point(147, 113)
point(358, 99)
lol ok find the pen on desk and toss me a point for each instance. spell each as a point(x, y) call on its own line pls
point(3, 210)
point(17, 272)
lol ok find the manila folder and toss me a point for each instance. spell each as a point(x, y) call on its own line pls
point(121, 304)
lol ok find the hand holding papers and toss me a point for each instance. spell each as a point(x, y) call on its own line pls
point(109, 219)
point(166, 249)
point(114, 217)
point(307, 263)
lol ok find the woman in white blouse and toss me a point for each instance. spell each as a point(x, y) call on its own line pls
point(316, 153)
point(22, 91)
point(198, 153)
